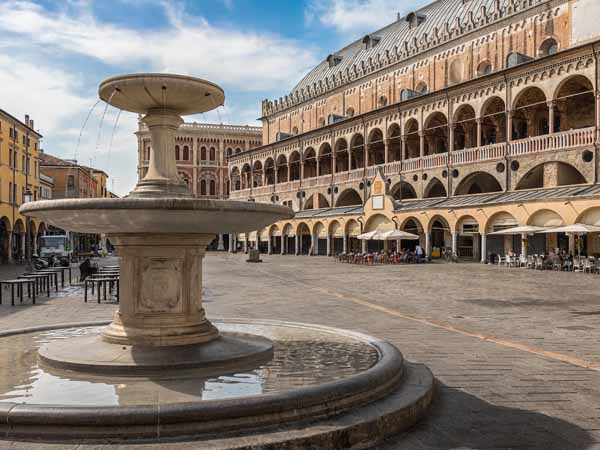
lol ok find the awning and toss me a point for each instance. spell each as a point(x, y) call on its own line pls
point(578, 228)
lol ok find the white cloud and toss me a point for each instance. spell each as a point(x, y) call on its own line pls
point(242, 59)
point(358, 17)
point(43, 73)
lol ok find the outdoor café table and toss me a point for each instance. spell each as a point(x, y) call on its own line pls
point(102, 281)
point(30, 282)
point(42, 278)
point(55, 270)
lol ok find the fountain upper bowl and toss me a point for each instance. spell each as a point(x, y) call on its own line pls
point(156, 215)
point(143, 92)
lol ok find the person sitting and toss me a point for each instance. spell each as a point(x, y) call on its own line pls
point(86, 269)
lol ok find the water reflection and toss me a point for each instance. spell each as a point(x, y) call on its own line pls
point(301, 357)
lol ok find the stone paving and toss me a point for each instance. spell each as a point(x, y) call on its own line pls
point(515, 351)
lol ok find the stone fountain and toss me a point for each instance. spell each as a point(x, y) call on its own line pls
point(163, 345)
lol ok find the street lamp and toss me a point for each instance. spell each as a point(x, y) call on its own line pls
point(27, 197)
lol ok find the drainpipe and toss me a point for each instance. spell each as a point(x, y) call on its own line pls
point(508, 137)
point(595, 115)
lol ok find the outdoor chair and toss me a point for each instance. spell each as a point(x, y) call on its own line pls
point(539, 263)
point(587, 265)
point(501, 260)
point(86, 269)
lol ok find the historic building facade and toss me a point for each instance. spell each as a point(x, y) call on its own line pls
point(202, 152)
point(478, 116)
point(19, 174)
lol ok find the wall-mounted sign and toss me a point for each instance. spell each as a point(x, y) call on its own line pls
point(377, 201)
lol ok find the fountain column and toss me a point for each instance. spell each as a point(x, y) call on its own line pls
point(160, 290)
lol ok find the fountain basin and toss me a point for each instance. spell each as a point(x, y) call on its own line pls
point(369, 371)
point(156, 215)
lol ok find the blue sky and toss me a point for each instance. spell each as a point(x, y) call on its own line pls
point(54, 53)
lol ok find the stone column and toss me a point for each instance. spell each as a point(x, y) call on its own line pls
point(23, 244)
point(478, 121)
point(509, 126)
point(455, 243)
point(297, 244)
point(220, 245)
point(386, 151)
point(328, 245)
point(314, 244)
point(403, 148)
point(524, 244)
point(246, 243)
point(551, 105)
point(366, 157)
point(349, 160)
point(345, 243)
point(451, 132)
point(428, 244)
point(421, 144)
point(483, 247)
point(363, 246)
point(9, 251)
point(283, 244)
point(270, 245)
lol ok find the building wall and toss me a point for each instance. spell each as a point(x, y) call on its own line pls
point(13, 172)
point(440, 66)
point(202, 153)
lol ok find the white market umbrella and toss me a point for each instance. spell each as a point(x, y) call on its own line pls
point(528, 229)
point(368, 236)
point(578, 228)
point(397, 234)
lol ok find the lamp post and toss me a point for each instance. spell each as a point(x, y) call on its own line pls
point(27, 198)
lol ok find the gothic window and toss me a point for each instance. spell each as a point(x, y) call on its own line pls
point(213, 154)
point(203, 154)
point(177, 155)
point(186, 153)
point(484, 68)
point(213, 187)
point(548, 47)
point(203, 187)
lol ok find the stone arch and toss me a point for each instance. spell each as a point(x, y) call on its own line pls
point(413, 225)
point(335, 229)
point(466, 224)
point(294, 165)
point(5, 232)
point(341, 155)
point(590, 216)
point(281, 167)
point(478, 183)
point(574, 104)
point(349, 197)
point(403, 191)
point(530, 113)
point(357, 151)
point(235, 177)
point(545, 218)
point(269, 171)
point(302, 229)
point(376, 147)
point(493, 121)
point(257, 171)
point(352, 228)
point(310, 163)
point(274, 230)
point(422, 88)
point(499, 221)
point(435, 130)
point(246, 176)
point(325, 159)
point(551, 174)
point(394, 142)
point(435, 188)
point(288, 230)
point(465, 131)
point(319, 229)
point(411, 133)
point(323, 202)
point(379, 222)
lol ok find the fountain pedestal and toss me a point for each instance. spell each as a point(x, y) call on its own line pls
point(161, 290)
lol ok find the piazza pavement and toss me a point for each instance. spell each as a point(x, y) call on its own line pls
point(515, 351)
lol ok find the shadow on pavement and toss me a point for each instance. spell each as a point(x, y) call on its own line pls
point(459, 420)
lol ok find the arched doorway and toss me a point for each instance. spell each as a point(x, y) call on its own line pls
point(320, 236)
point(440, 236)
point(376, 149)
point(378, 222)
point(478, 183)
point(349, 197)
point(289, 237)
point(5, 231)
point(304, 239)
point(275, 239)
point(467, 238)
point(336, 233)
point(530, 114)
point(352, 232)
point(543, 243)
point(502, 244)
point(436, 134)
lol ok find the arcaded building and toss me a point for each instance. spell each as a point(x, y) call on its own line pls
point(480, 115)
point(202, 151)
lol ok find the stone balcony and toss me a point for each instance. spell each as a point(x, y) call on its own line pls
point(534, 145)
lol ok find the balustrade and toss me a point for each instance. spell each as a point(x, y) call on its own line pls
point(565, 139)
point(437, 160)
